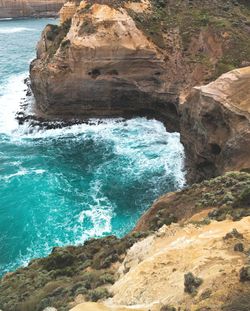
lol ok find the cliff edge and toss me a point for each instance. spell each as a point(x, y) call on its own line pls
point(215, 125)
point(143, 58)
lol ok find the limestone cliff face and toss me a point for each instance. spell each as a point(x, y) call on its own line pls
point(109, 65)
point(30, 8)
point(67, 11)
point(110, 58)
point(215, 125)
point(105, 66)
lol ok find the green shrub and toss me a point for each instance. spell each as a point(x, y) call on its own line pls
point(98, 293)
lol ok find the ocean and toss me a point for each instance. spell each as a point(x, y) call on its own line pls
point(63, 186)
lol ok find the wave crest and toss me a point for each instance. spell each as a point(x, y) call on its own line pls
point(8, 30)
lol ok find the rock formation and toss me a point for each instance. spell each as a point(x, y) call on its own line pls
point(215, 126)
point(190, 251)
point(30, 8)
point(105, 66)
point(132, 58)
point(153, 269)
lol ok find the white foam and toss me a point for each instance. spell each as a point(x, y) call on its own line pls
point(9, 30)
point(11, 94)
point(99, 214)
point(21, 172)
point(145, 143)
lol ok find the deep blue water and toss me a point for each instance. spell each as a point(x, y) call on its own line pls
point(63, 186)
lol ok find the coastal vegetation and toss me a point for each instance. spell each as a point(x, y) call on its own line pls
point(190, 250)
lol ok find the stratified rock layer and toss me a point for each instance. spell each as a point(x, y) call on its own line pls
point(105, 66)
point(30, 8)
point(215, 125)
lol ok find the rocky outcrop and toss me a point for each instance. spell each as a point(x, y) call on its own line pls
point(215, 125)
point(92, 306)
point(217, 198)
point(105, 66)
point(111, 58)
point(30, 8)
point(67, 11)
point(154, 269)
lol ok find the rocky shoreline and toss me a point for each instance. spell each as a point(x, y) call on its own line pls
point(146, 268)
point(190, 251)
point(100, 62)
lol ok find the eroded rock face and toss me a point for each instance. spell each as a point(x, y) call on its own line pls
point(67, 11)
point(215, 125)
point(119, 58)
point(35, 8)
point(105, 66)
point(158, 268)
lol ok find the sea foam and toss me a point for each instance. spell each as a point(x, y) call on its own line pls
point(10, 30)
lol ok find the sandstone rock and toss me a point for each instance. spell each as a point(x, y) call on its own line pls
point(91, 306)
point(215, 125)
point(112, 62)
point(200, 250)
point(67, 11)
point(108, 68)
point(38, 8)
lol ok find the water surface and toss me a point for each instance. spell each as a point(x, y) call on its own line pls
point(63, 186)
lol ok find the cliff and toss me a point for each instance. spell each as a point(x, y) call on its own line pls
point(27, 8)
point(189, 252)
point(111, 58)
point(215, 125)
point(103, 66)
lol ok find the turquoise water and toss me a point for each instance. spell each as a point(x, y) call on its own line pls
point(63, 186)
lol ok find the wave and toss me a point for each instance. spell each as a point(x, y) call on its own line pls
point(7, 30)
point(22, 172)
point(6, 19)
point(11, 94)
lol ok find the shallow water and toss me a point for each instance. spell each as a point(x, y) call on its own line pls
point(63, 186)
